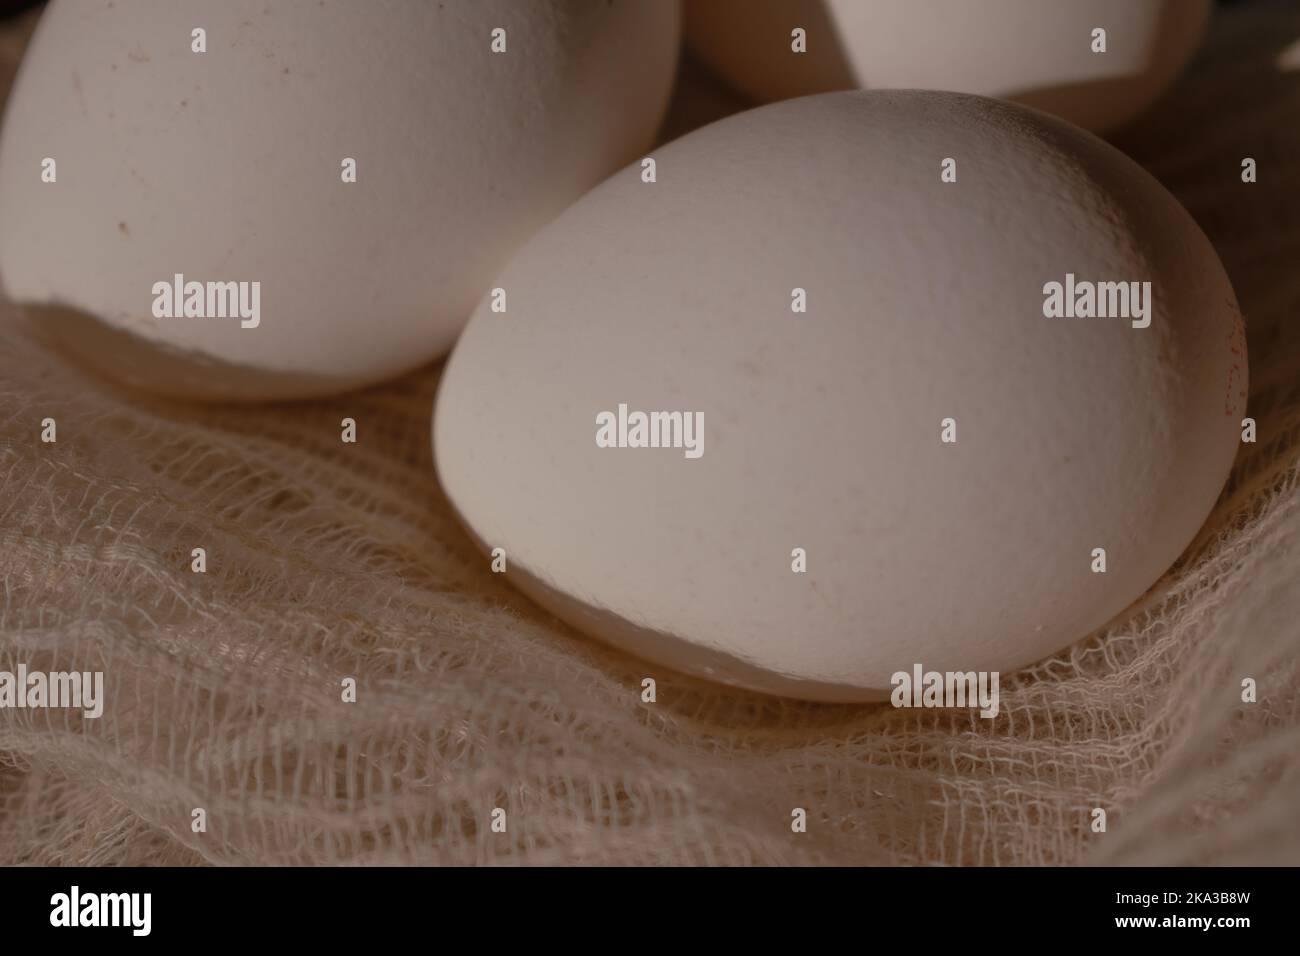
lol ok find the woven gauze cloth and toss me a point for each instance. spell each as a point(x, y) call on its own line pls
point(328, 561)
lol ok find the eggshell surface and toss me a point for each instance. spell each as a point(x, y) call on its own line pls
point(824, 430)
point(230, 165)
point(1040, 52)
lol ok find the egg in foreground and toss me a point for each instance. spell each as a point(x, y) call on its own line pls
point(826, 399)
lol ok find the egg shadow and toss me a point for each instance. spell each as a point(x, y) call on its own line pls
point(108, 352)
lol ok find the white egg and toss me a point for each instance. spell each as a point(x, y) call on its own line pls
point(1044, 53)
point(358, 171)
point(870, 441)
